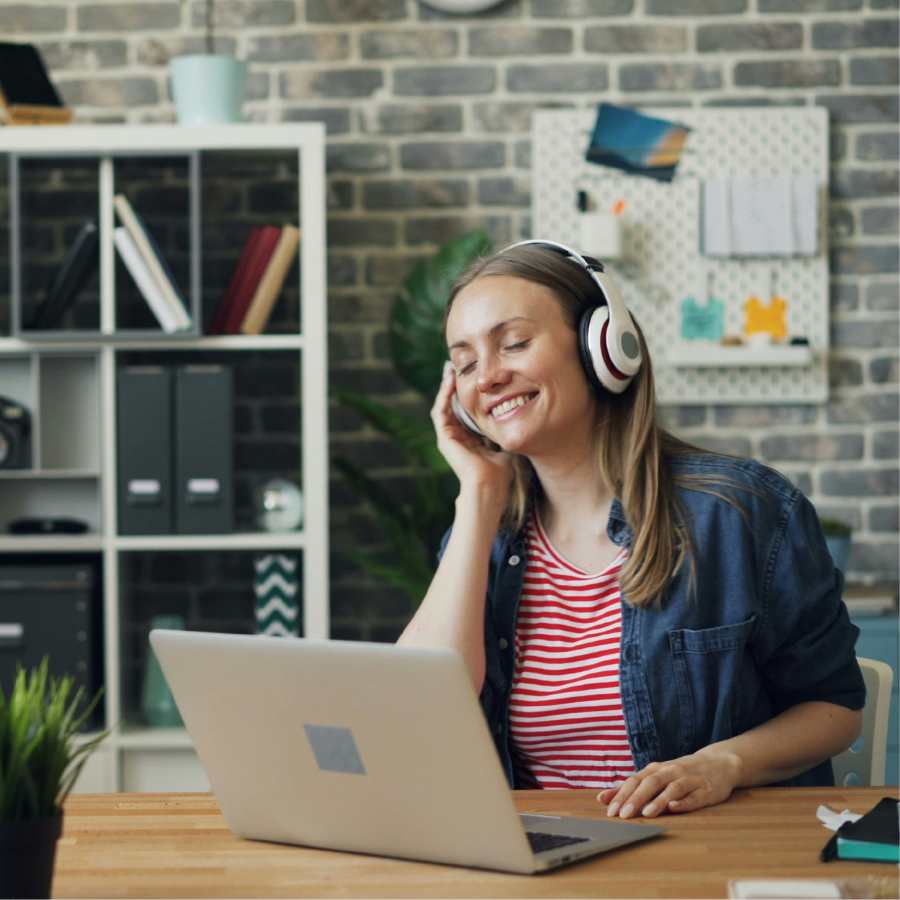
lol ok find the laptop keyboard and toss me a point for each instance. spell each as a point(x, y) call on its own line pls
point(541, 841)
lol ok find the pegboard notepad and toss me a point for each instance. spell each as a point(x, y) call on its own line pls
point(662, 264)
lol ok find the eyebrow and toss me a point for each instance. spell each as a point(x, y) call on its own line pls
point(498, 327)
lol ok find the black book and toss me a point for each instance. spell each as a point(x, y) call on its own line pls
point(875, 837)
point(79, 263)
point(23, 77)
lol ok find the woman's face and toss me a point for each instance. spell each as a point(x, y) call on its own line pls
point(517, 368)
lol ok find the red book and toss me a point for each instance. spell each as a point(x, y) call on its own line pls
point(221, 314)
point(258, 259)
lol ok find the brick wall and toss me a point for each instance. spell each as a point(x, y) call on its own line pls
point(428, 119)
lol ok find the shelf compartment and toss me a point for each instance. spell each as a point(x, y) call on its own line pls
point(704, 356)
point(261, 540)
point(77, 498)
point(69, 412)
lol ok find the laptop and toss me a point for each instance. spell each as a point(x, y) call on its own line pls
point(368, 748)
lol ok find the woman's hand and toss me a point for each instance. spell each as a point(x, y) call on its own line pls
point(474, 464)
point(680, 785)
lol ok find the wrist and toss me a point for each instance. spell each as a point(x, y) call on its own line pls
point(485, 500)
point(732, 762)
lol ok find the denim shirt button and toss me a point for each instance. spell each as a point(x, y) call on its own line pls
point(514, 560)
point(629, 653)
point(639, 742)
point(503, 643)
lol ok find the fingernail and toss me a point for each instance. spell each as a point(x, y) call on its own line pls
point(627, 810)
point(613, 809)
point(647, 810)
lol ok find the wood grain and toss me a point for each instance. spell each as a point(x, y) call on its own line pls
point(177, 845)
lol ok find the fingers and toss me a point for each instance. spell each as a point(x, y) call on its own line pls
point(649, 792)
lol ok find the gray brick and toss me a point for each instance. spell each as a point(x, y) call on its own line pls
point(303, 84)
point(874, 70)
point(505, 191)
point(864, 335)
point(457, 155)
point(409, 194)
point(878, 147)
point(366, 308)
point(854, 109)
point(112, 92)
point(317, 47)
point(245, 13)
point(337, 120)
point(695, 7)
point(872, 259)
point(718, 443)
point(837, 145)
point(153, 51)
point(508, 117)
point(439, 229)
point(128, 17)
point(753, 100)
point(438, 81)
point(344, 232)
point(83, 54)
point(762, 416)
point(859, 482)
point(848, 35)
point(339, 195)
point(342, 270)
point(862, 410)
point(519, 40)
point(883, 370)
point(257, 85)
point(885, 444)
point(883, 296)
point(879, 560)
point(884, 4)
point(636, 39)
point(856, 184)
point(31, 18)
point(788, 73)
point(884, 518)
point(384, 270)
point(669, 77)
point(879, 220)
point(761, 36)
point(840, 223)
point(353, 11)
point(843, 296)
point(560, 77)
point(358, 157)
point(409, 118)
point(808, 6)
point(812, 447)
point(850, 515)
point(522, 153)
point(433, 43)
point(844, 372)
point(800, 479)
point(580, 9)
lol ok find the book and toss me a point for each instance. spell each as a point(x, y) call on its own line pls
point(79, 263)
point(874, 837)
point(269, 287)
point(217, 326)
point(148, 249)
point(27, 96)
point(136, 266)
point(263, 248)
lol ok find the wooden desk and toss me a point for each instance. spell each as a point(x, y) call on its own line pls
point(177, 845)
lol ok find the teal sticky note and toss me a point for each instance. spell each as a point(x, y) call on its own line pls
point(702, 321)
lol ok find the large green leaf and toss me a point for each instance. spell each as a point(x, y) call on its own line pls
point(416, 329)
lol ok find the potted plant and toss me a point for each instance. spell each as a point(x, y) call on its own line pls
point(413, 530)
point(40, 760)
point(838, 537)
point(208, 87)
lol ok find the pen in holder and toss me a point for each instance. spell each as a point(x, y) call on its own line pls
point(600, 233)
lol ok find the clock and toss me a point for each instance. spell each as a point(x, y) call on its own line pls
point(279, 505)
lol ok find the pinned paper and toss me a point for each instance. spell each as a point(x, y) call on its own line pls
point(770, 318)
point(702, 321)
point(833, 820)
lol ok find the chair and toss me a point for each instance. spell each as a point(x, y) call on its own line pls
point(862, 763)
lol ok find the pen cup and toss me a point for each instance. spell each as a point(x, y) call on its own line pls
point(601, 234)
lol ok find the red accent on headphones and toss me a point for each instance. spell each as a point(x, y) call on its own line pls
point(606, 359)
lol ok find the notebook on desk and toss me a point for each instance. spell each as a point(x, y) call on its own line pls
point(370, 748)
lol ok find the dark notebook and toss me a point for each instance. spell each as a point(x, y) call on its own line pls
point(23, 77)
point(875, 837)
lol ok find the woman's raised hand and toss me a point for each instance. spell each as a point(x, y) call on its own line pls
point(475, 465)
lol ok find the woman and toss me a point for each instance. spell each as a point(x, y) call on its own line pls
point(638, 615)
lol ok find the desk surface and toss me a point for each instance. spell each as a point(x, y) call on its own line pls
point(177, 845)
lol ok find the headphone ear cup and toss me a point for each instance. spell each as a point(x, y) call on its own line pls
point(593, 344)
point(460, 412)
point(585, 353)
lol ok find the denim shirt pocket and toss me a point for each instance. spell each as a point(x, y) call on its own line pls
point(707, 666)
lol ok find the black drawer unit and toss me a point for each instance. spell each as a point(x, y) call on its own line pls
point(52, 610)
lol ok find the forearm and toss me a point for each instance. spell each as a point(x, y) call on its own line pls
point(792, 742)
point(452, 613)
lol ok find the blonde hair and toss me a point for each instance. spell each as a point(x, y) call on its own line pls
point(633, 450)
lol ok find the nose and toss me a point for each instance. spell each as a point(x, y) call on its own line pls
point(492, 374)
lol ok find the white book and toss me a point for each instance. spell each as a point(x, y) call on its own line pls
point(146, 249)
point(135, 264)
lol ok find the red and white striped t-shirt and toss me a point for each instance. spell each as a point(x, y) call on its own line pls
point(566, 722)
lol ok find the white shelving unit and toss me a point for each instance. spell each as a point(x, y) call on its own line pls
point(76, 374)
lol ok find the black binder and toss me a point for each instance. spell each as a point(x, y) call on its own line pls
point(144, 429)
point(204, 496)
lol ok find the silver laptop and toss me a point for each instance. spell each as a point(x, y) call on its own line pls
point(369, 748)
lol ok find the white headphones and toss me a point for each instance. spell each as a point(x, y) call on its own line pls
point(608, 344)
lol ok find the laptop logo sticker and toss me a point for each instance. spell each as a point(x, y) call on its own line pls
point(334, 749)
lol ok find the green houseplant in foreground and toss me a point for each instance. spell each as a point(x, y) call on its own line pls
point(838, 538)
point(40, 761)
point(412, 530)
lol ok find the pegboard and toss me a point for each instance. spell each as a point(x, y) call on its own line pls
point(661, 262)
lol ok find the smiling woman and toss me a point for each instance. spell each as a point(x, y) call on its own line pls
point(639, 616)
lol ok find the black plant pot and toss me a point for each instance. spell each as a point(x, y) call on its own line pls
point(27, 855)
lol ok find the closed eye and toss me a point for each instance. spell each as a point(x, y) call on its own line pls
point(519, 345)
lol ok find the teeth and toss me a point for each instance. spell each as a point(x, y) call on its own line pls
point(507, 405)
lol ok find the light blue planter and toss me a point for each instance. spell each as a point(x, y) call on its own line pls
point(839, 548)
point(208, 89)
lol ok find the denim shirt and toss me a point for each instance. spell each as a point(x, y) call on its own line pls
point(766, 628)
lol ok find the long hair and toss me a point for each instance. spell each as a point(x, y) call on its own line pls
point(633, 451)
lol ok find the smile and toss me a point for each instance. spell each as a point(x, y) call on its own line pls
point(509, 405)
